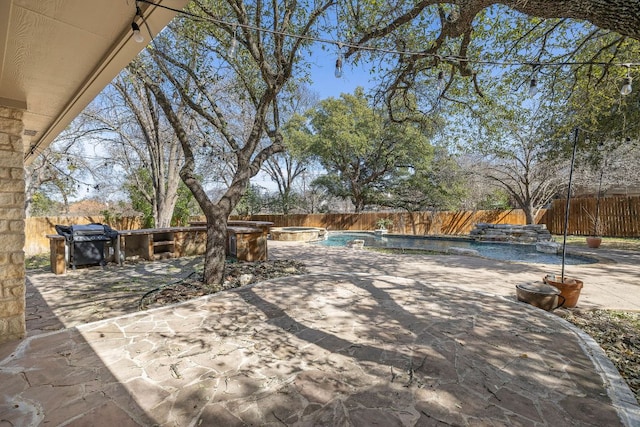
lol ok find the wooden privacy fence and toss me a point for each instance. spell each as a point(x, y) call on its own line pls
point(419, 223)
point(620, 216)
point(36, 228)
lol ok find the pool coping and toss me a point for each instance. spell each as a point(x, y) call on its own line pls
point(572, 253)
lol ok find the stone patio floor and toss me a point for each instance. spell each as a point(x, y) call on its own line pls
point(365, 339)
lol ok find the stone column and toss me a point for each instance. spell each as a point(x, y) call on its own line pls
point(12, 233)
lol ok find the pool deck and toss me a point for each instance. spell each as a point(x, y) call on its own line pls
point(365, 339)
point(612, 283)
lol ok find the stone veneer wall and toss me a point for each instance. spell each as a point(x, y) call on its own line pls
point(510, 233)
point(12, 233)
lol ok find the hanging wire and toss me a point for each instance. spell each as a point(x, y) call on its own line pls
point(448, 58)
point(440, 58)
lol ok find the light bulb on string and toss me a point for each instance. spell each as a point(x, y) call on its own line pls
point(626, 83)
point(137, 35)
point(441, 83)
point(338, 70)
point(533, 87)
point(626, 88)
point(234, 44)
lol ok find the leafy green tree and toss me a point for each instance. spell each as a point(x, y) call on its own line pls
point(137, 190)
point(436, 185)
point(251, 201)
point(454, 52)
point(43, 205)
point(185, 208)
point(360, 149)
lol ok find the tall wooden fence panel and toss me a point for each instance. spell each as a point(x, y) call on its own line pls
point(620, 216)
point(36, 228)
point(418, 223)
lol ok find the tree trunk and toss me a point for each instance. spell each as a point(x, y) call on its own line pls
point(215, 257)
point(165, 212)
point(165, 207)
point(529, 213)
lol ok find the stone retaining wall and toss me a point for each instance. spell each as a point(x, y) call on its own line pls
point(510, 233)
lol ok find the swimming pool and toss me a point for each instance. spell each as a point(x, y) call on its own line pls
point(501, 251)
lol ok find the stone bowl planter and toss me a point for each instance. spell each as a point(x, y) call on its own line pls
point(540, 295)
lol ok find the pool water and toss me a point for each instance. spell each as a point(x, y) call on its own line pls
point(501, 251)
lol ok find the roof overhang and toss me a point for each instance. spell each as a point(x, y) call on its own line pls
point(56, 56)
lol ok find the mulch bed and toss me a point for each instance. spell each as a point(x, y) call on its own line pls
point(236, 274)
point(618, 334)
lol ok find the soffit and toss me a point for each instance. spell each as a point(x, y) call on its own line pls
point(57, 55)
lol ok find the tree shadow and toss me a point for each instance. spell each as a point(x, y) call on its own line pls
point(358, 349)
point(57, 378)
point(94, 293)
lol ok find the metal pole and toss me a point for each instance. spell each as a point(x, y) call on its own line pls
point(566, 214)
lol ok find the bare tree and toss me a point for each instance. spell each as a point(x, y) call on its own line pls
point(286, 167)
point(200, 53)
point(62, 170)
point(516, 149)
point(137, 136)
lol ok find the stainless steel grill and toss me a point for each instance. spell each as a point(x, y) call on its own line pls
point(86, 244)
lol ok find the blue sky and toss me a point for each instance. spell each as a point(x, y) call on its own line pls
point(325, 82)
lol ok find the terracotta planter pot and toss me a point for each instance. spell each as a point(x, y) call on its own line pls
point(594, 242)
point(569, 289)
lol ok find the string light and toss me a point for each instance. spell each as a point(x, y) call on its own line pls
point(533, 87)
point(338, 70)
point(363, 48)
point(441, 83)
point(626, 85)
point(137, 35)
point(234, 44)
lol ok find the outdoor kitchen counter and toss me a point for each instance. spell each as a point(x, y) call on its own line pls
point(58, 253)
point(244, 243)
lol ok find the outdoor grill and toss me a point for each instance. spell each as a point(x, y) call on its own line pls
point(86, 244)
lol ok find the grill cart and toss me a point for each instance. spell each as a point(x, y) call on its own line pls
point(86, 244)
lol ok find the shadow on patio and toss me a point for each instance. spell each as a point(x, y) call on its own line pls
point(324, 349)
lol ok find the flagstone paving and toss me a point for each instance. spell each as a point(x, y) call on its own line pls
point(357, 348)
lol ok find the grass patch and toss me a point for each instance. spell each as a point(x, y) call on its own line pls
point(37, 261)
point(623, 243)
